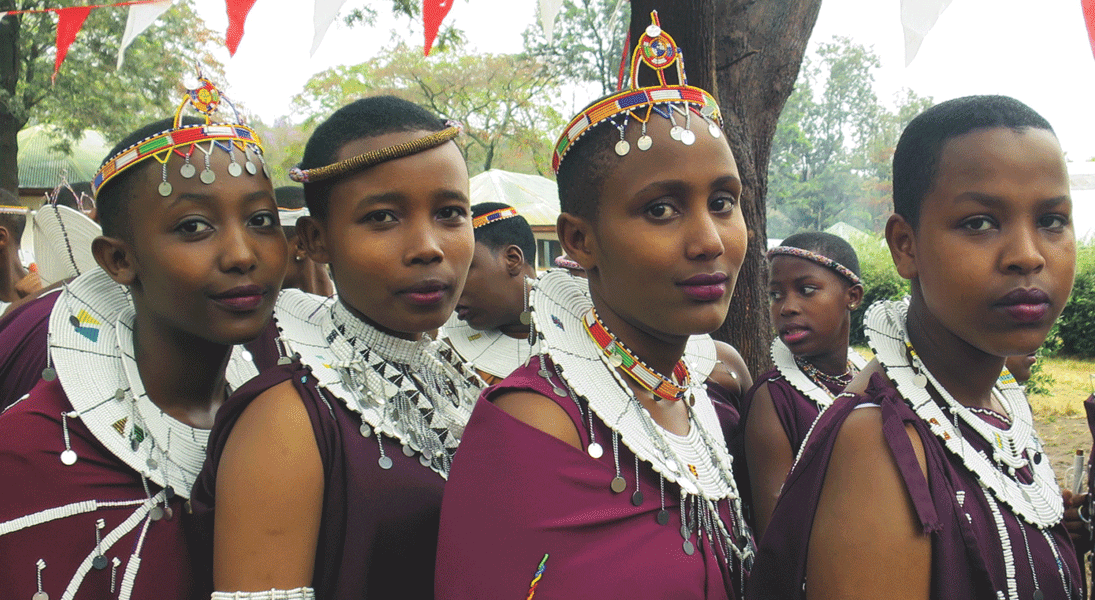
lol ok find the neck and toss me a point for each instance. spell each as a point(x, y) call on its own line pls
point(183, 375)
point(833, 361)
point(11, 273)
point(657, 350)
point(517, 330)
point(403, 335)
point(514, 328)
point(965, 372)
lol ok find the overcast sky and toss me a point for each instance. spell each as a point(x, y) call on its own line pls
point(1040, 55)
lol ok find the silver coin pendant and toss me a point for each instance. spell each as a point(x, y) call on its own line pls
point(188, 171)
point(68, 458)
point(165, 189)
point(385, 463)
point(622, 148)
point(234, 169)
point(687, 137)
point(208, 176)
point(595, 450)
point(645, 142)
point(618, 485)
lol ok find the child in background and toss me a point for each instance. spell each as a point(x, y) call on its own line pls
point(303, 273)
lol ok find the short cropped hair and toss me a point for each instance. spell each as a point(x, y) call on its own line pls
point(364, 118)
point(15, 224)
point(827, 245)
point(916, 158)
point(584, 169)
point(504, 232)
point(112, 200)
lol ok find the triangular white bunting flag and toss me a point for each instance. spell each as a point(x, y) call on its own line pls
point(326, 11)
point(549, 9)
point(141, 16)
point(917, 18)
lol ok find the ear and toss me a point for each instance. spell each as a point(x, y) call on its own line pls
point(514, 259)
point(5, 237)
point(902, 241)
point(577, 239)
point(312, 238)
point(117, 258)
point(854, 296)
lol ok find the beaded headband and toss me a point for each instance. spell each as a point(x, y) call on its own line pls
point(375, 157)
point(566, 262)
point(657, 50)
point(493, 217)
point(824, 261)
point(182, 140)
point(13, 210)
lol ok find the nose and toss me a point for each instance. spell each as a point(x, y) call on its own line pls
point(237, 250)
point(704, 239)
point(1023, 252)
point(423, 243)
point(788, 307)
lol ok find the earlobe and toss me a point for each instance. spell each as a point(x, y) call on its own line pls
point(117, 258)
point(854, 296)
point(901, 239)
point(577, 239)
point(5, 237)
point(515, 260)
point(313, 239)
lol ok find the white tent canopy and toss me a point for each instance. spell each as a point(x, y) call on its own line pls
point(535, 198)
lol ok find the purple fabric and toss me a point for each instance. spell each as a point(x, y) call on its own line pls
point(378, 534)
point(23, 334)
point(34, 479)
point(966, 547)
point(516, 494)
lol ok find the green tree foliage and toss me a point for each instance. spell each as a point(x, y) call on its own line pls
point(506, 102)
point(587, 43)
point(833, 146)
point(89, 92)
point(1077, 321)
point(880, 280)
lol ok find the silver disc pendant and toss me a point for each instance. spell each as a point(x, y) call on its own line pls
point(165, 189)
point(234, 169)
point(266, 170)
point(99, 562)
point(68, 458)
point(526, 317)
point(188, 171)
point(40, 596)
point(920, 380)
point(152, 464)
point(662, 517)
point(671, 465)
point(169, 492)
point(637, 498)
point(685, 532)
point(622, 147)
point(156, 513)
point(168, 513)
point(284, 360)
point(251, 168)
point(365, 430)
point(615, 361)
point(675, 132)
point(425, 462)
point(49, 374)
point(689, 549)
point(119, 394)
point(653, 30)
point(1038, 595)
point(595, 450)
point(408, 451)
point(618, 485)
point(560, 392)
point(645, 142)
point(385, 463)
point(208, 176)
point(687, 137)
point(714, 131)
point(545, 374)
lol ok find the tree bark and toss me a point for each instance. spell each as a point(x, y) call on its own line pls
point(10, 124)
point(747, 53)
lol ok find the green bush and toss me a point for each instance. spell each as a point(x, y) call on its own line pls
point(1072, 334)
point(880, 280)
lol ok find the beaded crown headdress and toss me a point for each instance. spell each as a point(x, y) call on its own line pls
point(657, 50)
point(184, 139)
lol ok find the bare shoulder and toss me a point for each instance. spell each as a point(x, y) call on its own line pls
point(859, 384)
point(540, 412)
point(736, 371)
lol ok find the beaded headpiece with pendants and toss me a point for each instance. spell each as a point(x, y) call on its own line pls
point(657, 50)
point(183, 140)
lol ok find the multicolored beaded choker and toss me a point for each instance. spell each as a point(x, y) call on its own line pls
point(620, 356)
point(819, 376)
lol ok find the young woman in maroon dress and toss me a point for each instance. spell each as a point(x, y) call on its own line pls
point(929, 481)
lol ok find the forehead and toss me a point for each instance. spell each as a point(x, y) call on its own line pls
point(1002, 162)
point(439, 169)
point(784, 269)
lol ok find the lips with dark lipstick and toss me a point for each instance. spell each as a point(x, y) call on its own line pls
point(706, 287)
point(425, 293)
point(1025, 305)
point(241, 299)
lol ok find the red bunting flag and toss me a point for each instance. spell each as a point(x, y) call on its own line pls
point(1089, 17)
point(433, 12)
point(237, 14)
point(69, 22)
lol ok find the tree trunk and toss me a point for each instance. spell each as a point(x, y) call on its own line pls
point(747, 53)
point(9, 123)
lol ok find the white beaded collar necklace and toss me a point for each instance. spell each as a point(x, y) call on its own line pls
point(1039, 502)
point(490, 351)
point(92, 354)
point(784, 360)
point(417, 392)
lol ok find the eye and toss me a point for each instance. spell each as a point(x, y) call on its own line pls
point(450, 213)
point(809, 290)
point(1054, 222)
point(193, 227)
point(722, 204)
point(379, 216)
point(978, 224)
point(661, 210)
point(263, 219)
point(775, 296)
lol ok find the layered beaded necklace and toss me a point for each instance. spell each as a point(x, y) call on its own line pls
point(808, 379)
point(621, 357)
point(1038, 502)
point(417, 392)
point(698, 462)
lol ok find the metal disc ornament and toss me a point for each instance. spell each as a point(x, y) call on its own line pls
point(234, 169)
point(662, 517)
point(188, 171)
point(168, 513)
point(408, 451)
point(618, 484)
point(152, 464)
point(675, 132)
point(169, 492)
point(560, 392)
point(156, 513)
point(68, 458)
point(165, 189)
point(425, 462)
point(637, 498)
point(208, 176)
point(49, 374)
point(645, 142)
point(615, 361)
point(622, 148)
point(920, 380)
point(545, 373)
point(99, 562)
point(251, 168)
point(526, 317)
point(40, 596)
point(714, 130)
point(685, 532)
point(595, 450)
point(385, 463)
point(689, 549)
point(284, 360)
point(687, 137)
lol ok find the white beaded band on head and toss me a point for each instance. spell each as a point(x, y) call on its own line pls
point(300, 593)
point(824, 261)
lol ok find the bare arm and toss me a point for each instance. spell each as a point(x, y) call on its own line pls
point(269, 497)
point(769, 455)
point(730, 372)
point(867, 541)
point(540, 412)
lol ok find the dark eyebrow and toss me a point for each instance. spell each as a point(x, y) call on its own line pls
point(991, 201)
point(722, 182)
